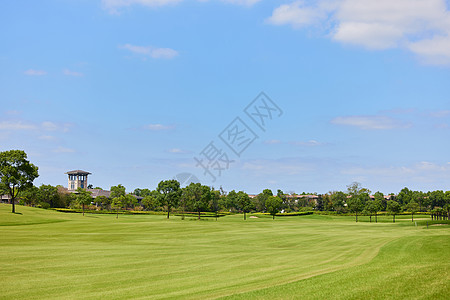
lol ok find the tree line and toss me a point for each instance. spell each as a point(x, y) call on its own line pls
point(17, 175)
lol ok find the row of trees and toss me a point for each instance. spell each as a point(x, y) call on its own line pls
point(17, 175)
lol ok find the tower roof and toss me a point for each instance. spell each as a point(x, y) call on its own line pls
point(77, 172)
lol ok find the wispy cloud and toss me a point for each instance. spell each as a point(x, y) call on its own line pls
point(114, 6)
point(158, 127)
point(61, 149)
point(150, 51)
point(68, 72)
point(32, 72)
point(272, 142)
point(440, 114)
point(46, 126)
point(17, 125)
point(310, 143)
point(422, 27)
point(178, 151)
point(370, 122)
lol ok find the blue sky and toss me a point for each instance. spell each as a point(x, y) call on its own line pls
point(134, 90)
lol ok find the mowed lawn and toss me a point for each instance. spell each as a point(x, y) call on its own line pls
point(51, 255)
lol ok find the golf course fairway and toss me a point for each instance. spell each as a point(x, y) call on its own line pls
point(51, 255)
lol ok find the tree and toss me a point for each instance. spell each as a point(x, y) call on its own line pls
point(16, 174)
point(150, 202)
point(117, 198)
point(231, 201)
point(358, 198)
point(117, 203)
point(378, 206)
point(170, 193)
point(393, 207)
point(338, 200)
point(356, 204)
point(197, 196)
point(405, 196)
point(244, 202)
point(355, 189)
point(371, 208)
point(117, 191)
point(379, 197)
point(29, 195)
point(215, 198)
point(83, 197)
point(412, 207)
point(103, 201)
point(49, 194)
point(273, 205)
point(260, 200)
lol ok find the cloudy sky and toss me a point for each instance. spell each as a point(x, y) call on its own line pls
point(137, 91)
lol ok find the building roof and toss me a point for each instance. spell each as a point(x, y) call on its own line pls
point(77, 172)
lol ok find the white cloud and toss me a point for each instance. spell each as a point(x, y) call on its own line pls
point(46, 137)
point(113, 6)
point(72, 73)
point(16, 125)
point(13, 112)
point(178, 151)
point(242, 2)
point(440, 114)
point(46, 126)
point(149, 51)
point(63, 150)
point(31, 72)
point(420, 26)
point(297, 14)
point(158, 127)
point(370, 122)
point(272, 142)
point(310, 143)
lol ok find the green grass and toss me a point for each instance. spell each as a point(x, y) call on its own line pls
point(47, 254)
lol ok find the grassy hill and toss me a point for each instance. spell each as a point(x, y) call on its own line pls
point(46, 254)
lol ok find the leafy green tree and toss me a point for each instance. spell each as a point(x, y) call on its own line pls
point(170, 193)
point(244, 203)
point(355, 189)
point(118, 200)
point(117, 203)
point(150, 202)
point(103, 201)
point(412, 207)
point(231, 201)
point(379, 197)
point(130, 201)
point(260, 200)
point(358, 197)
point(437, 198)
point(356, 204)
point(197, 196)
point(16, 174)
point(215, 200)
point(273, 205)
point(371, 208)
point(49, 194)
point(405, 196)
point(378, 206)
point(30, 195)
point(83, 197)
point(117, 191)
point(393, 207)
point(338, 201)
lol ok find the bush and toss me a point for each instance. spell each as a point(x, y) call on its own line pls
point(43, 205)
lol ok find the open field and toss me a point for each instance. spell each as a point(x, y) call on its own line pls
point(47, 254)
